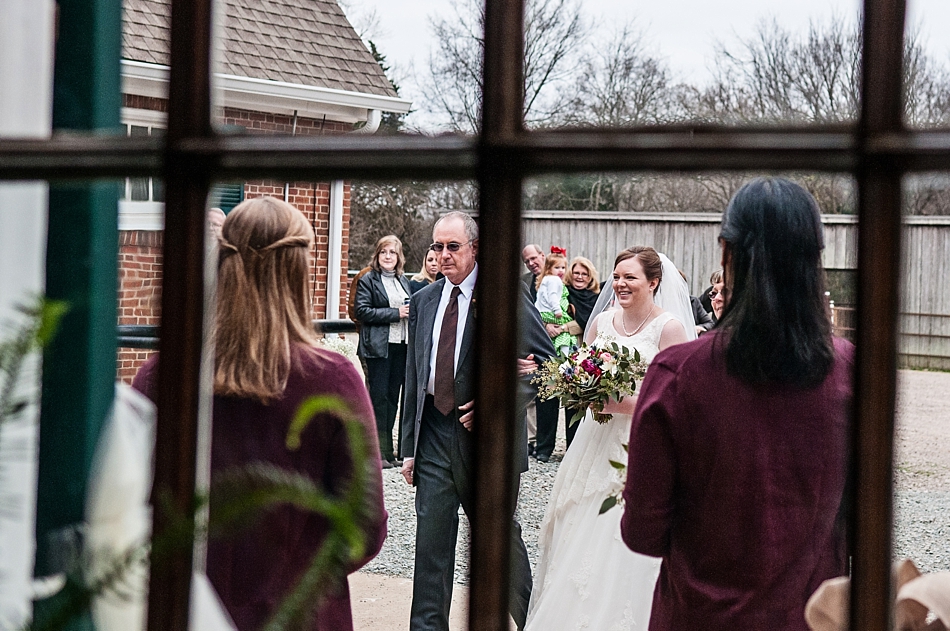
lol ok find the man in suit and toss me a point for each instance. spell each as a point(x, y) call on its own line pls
point(437, 421)
point(541, 437)
point(533, 259)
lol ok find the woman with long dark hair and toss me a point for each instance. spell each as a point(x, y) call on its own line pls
point(266, 364)
point(738, 447)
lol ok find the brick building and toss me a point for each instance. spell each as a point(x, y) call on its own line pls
point(293, 67)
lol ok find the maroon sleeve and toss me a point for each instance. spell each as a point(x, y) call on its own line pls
point(348, 384)
point(146, 379)
point(651, 471)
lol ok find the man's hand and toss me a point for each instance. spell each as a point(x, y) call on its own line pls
point(467, 418)
point(553, 329)
point(526, 366)
point(406, 470)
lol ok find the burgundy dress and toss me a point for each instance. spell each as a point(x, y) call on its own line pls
point(253, 571)
point(738, 489)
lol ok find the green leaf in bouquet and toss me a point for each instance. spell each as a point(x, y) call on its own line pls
point(577, 416)
point(636, 355)
point(609, 503)
point(617, 465)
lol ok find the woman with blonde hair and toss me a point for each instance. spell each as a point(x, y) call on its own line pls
point(382, 309)
point(427, 275)
point(266, 365)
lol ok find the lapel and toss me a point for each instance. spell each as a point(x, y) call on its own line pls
point(381, 296)
point(405, 284)
point(427, 311)
point(468, 335)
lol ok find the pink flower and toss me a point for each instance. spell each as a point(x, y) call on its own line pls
point(588, 366)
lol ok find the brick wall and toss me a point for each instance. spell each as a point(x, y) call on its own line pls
point(265, 123)
point(140, 253)
point(140, 291)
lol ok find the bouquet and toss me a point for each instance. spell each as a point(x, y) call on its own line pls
point(589, 376)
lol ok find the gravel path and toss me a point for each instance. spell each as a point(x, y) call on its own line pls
point(922, 495)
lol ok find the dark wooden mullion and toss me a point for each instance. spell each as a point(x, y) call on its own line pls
point(448, 157)
point(186, 182)
point(878, 298)
point(496, 327)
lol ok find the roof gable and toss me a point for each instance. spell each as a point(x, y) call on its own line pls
point(307, 42)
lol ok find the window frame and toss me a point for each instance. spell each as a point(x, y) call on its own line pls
point(878, 150)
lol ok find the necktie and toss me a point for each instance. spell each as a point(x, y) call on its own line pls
point(445, 357)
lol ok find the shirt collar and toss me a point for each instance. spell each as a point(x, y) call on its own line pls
point(467, 286)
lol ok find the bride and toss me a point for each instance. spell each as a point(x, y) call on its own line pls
point(586, 577)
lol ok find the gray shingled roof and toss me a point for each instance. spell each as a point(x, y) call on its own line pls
point(308, 42)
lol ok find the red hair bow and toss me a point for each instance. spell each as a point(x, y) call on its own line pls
point(557, 250)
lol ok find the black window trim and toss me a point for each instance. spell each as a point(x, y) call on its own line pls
point(878, 150)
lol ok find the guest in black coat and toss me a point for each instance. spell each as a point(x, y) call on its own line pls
point(428, 273)
point(382, 309)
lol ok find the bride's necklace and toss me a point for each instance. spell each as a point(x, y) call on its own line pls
point(623, 323)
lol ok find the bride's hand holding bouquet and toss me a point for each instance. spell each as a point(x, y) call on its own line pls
point(594, 376)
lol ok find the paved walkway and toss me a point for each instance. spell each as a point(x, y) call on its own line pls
point(381, 603)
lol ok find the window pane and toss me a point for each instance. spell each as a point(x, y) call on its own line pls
point(921, 466)
point(138, 189)
point(617, 64)
point(927, 64)
point(692, 438)
point(158, 189)
point(307, 68)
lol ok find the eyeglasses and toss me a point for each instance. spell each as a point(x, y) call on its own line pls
point(713, 294)
point(452, 246)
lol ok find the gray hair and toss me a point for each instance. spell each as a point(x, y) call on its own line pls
point(471, 227)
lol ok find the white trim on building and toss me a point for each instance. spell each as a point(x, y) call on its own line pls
point(277, 97)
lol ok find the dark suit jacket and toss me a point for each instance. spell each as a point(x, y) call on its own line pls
point(375, 315)
point(422, 312)
point(529, 280)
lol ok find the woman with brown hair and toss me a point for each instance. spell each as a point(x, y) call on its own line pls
point(586, 577)
point(382, 309)
point(266, 365)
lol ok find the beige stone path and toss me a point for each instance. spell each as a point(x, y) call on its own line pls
point(381, 603)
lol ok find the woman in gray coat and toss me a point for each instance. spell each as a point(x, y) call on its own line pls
point(382, 309)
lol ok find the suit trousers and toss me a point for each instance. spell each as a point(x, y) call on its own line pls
point(384, 378)
point(443, 476)
point(547, 426)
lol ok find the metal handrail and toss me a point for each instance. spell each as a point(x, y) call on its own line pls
point(147, 335)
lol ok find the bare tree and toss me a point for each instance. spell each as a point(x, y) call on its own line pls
point(400, 208)
point(620, 84)
point(554, 31)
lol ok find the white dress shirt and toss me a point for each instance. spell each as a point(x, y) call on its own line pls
point(467, 289)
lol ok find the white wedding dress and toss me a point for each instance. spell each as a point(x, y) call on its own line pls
point(586, 577)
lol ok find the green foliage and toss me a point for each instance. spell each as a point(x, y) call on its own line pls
point(238, 498)
point(42, 321)
point(607, 504)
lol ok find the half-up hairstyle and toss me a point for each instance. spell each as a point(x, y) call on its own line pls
point(263, 307)
point(775, 319)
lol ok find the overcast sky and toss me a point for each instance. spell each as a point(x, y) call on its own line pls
point(682, 32)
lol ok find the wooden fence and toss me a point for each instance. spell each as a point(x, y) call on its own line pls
point(690, 240)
